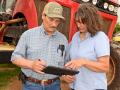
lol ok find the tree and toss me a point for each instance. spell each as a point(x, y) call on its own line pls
point(117, 28)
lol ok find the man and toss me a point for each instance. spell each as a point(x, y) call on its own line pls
point(38, 48)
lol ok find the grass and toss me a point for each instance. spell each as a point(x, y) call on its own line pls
point(6, 75)
point(7, 65)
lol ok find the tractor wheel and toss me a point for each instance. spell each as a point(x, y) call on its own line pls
point(114, 79)
point(111, 73)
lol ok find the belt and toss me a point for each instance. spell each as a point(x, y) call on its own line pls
point(42, 82)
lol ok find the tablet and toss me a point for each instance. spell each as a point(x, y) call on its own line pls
point(59, 71)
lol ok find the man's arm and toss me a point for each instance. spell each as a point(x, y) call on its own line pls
point(24, 63)
point(36, 65)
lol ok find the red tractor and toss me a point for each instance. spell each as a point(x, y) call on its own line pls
point(27, 14)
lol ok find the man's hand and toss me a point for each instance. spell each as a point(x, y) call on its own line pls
point(68, 78)
point(38, 66)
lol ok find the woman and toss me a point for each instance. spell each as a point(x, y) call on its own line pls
point(89, 50)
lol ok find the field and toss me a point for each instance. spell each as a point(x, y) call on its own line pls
point(8, 74)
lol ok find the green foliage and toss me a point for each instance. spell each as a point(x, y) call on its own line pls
point(117, 28)
point(7, 65)
point(7, 71)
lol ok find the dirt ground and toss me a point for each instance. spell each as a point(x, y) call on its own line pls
point(14, 84)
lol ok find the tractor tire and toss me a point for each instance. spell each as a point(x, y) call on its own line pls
point(5, 56)
point(115, 55)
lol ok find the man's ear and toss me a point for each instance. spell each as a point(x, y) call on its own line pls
point(43, 15)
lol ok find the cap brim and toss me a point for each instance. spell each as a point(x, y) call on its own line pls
point(56, 16)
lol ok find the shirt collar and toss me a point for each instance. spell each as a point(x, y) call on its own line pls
point(45, 33)
point(87, 35)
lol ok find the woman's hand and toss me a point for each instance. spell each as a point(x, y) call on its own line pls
point(75, 64)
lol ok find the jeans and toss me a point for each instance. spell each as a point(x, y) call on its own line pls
point(33, 86)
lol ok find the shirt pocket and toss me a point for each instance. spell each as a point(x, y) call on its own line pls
point(60, 59)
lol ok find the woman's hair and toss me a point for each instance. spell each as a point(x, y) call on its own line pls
point(88, 14)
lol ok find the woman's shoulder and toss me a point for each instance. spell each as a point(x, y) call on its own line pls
point(101, 35)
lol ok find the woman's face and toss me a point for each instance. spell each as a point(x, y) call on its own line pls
point(82, 27)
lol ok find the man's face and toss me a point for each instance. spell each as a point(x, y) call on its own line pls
point(50, 24)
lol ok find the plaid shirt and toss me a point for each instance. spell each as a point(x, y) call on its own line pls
point(36, 44)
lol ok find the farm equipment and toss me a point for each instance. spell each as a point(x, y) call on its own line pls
point(26, 14)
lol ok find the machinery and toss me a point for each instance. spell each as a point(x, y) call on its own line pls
point(26, 14)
